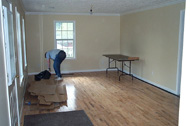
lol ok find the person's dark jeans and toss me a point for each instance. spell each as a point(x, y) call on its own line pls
point(57, 62)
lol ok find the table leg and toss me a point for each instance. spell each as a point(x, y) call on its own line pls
point(130, 70)
point(116, 66)
point(108, 65)
point(121, 70)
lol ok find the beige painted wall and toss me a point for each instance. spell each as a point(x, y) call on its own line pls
point(95, 35)
point(152, 35)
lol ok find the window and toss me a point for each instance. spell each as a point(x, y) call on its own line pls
point(9, 45)
point(19, 46)
point(65, 37)
point(24, 42)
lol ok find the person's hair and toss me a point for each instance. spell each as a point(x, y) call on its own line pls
point(45, 54)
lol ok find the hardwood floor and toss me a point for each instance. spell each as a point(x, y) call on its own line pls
point(109, 102)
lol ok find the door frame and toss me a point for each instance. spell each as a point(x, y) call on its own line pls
point(180, 51)
point(4, 59)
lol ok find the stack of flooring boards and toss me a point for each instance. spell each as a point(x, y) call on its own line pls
point(46, 94)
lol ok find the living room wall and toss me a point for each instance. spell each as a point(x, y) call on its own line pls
point(153, 36)
point(95, 36)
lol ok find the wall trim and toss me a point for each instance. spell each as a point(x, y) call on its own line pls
point(74, 71)
point(153, 7)
point(81, 14)
point(41, 41)
point(180, 51)
point(4, 78)
point(136, 76)
point(156, 85)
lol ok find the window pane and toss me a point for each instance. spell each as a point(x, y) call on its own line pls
point(70, 34)
point(64, 35)
point(64, 26)
point(58, 26)
point(70, 26)
point(70, 52)
point(65, 44)
point(59, 45)
point(70, 43)
point(11, 45)
point(58, 34)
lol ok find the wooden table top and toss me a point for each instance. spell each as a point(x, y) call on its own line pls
point(120, 57)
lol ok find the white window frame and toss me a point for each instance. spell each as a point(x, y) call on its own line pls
point(74, 36)
point(11, 72)
point(24, 42)
point(7, 49)
point(19, 46)
point(10, 7)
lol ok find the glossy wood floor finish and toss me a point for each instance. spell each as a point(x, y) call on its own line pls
point(109, 102)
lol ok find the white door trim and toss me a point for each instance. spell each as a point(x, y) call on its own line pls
point(180, 52)
point(6, 78)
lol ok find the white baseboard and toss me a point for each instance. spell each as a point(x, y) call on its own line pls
point(72, 71)
point(154, 84)
point(97, 70)
point(157, 85)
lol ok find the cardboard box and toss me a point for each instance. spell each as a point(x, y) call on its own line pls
point(48, 95)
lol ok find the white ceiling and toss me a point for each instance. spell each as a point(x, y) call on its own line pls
point(99, 6)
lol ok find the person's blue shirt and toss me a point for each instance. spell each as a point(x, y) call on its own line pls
point(52, 54)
